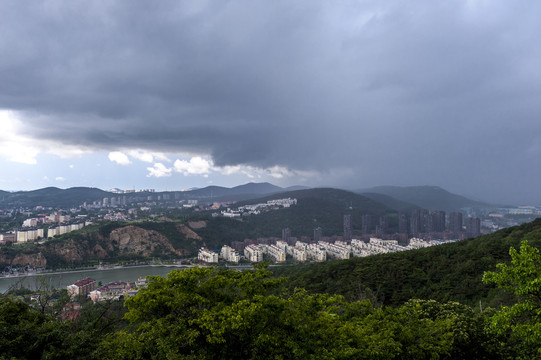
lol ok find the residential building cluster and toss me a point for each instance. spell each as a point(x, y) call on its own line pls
point(43, 227)
point(112, 291)
point(57, 217)
point(256, 209)
point(24, 236)
point(375, 246)
point(419, 223)
point(63, 229)
point(207, 256)
point(318, 249)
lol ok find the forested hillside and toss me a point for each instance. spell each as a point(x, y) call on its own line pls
point(323, 207)
point(446, 272)
point(52, 196)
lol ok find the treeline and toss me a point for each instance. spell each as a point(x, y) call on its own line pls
point(213, 313)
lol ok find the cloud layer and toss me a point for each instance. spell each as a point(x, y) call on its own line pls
point(361, 92)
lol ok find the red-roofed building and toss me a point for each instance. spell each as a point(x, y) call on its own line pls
point(71, 311)
point(81, 287)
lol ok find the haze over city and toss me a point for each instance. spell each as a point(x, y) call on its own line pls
point(174, 95)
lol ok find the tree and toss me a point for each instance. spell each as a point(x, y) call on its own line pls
point(166, 315)
point(521, 322)
point(26, 333)
point(212, 313)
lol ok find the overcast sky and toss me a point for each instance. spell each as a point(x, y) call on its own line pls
point(352, 94)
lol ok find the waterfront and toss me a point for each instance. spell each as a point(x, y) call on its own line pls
point(62, 279)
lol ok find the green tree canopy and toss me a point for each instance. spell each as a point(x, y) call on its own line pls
point(520, 323)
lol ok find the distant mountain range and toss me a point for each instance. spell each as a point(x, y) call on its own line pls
point(55, 197)
point(51, 196)
point(393, 197)
point(426, 197)
point(250, 189)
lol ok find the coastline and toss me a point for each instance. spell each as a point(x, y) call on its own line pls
point(116, 267)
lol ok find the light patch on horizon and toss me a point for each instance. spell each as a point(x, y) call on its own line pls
point(19, 148)
point(13, 146)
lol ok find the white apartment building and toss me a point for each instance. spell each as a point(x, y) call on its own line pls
point(253, 253)
point(382, 242)
point(281, 245)
point(299, 254)
point(277, 254)
point(51, 232)
point(57, 217)
point(12, 237)
point(416, 243)
point(33, 222)
point(64, 229)
point(28, 235)
point(207, 256)
point(283, 202)
point(316, 252)
point(344, 244)
point(335, 251)
point(229, 254)
point(375, 246)
point(392, 245)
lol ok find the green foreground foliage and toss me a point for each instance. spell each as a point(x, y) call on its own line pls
point(213, 313)
point(520, 323)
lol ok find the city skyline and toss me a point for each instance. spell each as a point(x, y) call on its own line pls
point(174, 95)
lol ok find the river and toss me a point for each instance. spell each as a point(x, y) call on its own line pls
point(62, 279)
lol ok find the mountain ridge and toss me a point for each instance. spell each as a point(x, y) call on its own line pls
point(427, 196)
point(75, 196)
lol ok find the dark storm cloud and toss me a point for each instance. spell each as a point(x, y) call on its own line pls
point(387, 92)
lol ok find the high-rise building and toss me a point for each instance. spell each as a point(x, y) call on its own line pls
point(437, 221)
point(425, 221)
point(366, 224)
point(286, 234)
point(348, 229)
point(455, 222)
point(318, 233)
point(415, 222)
point(473, 227)
point(383, 226)
point(403, 223)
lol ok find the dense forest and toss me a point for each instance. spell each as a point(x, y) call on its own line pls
point(214, 313)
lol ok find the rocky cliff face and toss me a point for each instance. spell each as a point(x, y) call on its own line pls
point(134, 240)
point(34, 260)
point(125, 241)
